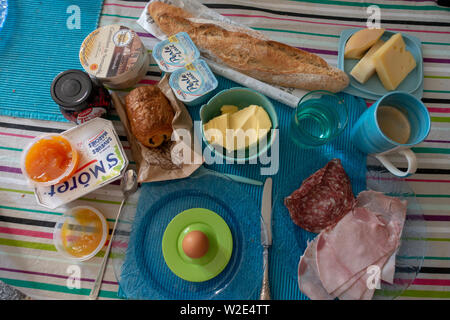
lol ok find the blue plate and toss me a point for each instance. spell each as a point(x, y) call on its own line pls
point(373, 89)
point(3, 12)
point(139, 264)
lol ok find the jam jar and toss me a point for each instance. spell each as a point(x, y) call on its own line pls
point(79, 97)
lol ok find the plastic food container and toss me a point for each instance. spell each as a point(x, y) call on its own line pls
point(80, 233)
point(49, 159)
point(115, 55)
point(102, 161)
point(175, 52)
point(194, 83)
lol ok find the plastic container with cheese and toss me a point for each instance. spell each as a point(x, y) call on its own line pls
point(115, 55)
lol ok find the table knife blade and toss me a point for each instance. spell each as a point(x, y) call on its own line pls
point(266, 213)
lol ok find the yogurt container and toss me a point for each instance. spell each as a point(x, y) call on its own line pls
point(175, 52)
point(80, 233)
point(194, 83)
point(102, 161)
point(115, 55)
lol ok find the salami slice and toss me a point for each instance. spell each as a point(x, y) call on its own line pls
point(322, 199)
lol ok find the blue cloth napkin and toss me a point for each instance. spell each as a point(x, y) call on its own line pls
point(39, 40)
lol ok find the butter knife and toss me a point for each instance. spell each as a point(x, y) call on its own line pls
point(266, 235)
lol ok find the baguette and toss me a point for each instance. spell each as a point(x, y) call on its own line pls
point(269, 61)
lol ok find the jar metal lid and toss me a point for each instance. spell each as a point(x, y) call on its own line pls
point(71, 89)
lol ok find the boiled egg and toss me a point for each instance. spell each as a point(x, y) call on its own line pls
point(195, 244)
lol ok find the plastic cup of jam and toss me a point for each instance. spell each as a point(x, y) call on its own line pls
point(80, 233)
point(80, 99)
point(49, 159)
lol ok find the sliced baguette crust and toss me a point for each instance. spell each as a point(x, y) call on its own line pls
point(269, 61)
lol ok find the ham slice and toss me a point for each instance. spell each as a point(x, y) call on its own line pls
point(309, 281)
point(358, 241)
point(336, 263)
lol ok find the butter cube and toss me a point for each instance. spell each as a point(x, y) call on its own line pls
point(238, 129)
point(360, 42)
point(365, 68)
point(216, 129)
point(393, 62)
point(228, 108)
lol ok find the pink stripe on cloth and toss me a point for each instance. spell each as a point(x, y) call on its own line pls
point(146, 81)
point(327, 23)
point(52, 275)
point(425, 282)
point(408, 179)
point(16, 135)
point(123, 5)
point(28, 233)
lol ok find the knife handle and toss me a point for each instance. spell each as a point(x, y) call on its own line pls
point(265, 290)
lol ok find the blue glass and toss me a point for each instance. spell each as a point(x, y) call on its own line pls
point(319, 117)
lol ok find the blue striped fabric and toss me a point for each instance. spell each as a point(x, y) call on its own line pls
point(39, 40)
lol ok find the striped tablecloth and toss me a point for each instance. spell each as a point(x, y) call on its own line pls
point(28, 259)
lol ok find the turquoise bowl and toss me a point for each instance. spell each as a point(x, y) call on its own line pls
point(242, 98)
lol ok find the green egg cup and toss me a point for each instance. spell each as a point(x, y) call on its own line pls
point(220, 245)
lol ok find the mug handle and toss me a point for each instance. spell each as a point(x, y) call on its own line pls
point(412, 163)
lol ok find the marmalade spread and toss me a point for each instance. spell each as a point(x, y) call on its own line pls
point(50, 158)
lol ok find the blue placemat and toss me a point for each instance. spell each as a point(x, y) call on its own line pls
point(40, 39)
point(144, 273)
point(293, 166)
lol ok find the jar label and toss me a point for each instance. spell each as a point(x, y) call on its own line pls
point(111, 51)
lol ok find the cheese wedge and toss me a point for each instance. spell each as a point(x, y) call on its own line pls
point(393, 62)
point(238, 129)
point(360, 42)
point(216, 129)
point(365, 68)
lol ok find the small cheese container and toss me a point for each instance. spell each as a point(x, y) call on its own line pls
point(175, 52)
point(80, 233)
point(194, 83)
point(115, 55)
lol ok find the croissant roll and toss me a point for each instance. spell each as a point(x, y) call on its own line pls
point(150, 115)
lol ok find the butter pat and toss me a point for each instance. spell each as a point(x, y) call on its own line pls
point(360, 42)
point(229, 109)
point(240, 129)
point(365, 68)
point(393, 62)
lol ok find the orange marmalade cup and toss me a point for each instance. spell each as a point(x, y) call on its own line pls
point(49, 159)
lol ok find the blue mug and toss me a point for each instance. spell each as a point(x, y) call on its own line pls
point(368, 136)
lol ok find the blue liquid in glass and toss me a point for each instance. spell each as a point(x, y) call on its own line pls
point(315, 122)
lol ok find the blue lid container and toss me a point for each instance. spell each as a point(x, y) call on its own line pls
point(175, 52)
point(194, 83)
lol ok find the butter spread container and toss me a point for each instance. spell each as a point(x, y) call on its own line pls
point(115, 55)
point(194, 83)
point(175, 52)
point(102, 161)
